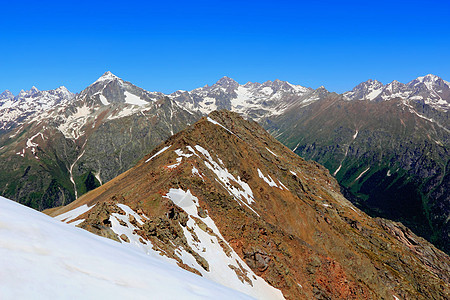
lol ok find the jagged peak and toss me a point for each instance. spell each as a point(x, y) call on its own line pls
point(6, 93)
point(227, 82)
point(428, 77)
point(370, 83)
point(62, 88)
point(107, 76)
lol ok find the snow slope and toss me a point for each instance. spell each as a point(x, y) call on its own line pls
point(45, 258)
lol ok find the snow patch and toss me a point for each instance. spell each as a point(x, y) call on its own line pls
point(57, 261)
point(362, 173)
point(74, 213)
point(217, 123)
point(158, 153)
point(271, 152)
point(72, 127)
point(104, 100)
point(243, 195)
point(134, 100)
point(208, 245)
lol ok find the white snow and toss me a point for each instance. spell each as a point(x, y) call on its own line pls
point(44, 258)
point(124, 112)
point(196, 172)
point(267, 179)
point(74, 213)
point(208, 246)
point(337, 170)
point(271, 152)
point(267, 90)
point(244, 194)
point(30, 140)
point(107, 77)
point(72, 127)
point(373, 94)
point(133, 99)
point(158, 153)
point(362, 173)
point(217, 123)
point(180, 154)
point(104, 100)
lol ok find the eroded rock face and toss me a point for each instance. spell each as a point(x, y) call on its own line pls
point(284, 217)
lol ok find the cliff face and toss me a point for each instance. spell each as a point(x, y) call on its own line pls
point(224, 197)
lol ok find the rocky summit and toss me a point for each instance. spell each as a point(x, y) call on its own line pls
point(225, 200)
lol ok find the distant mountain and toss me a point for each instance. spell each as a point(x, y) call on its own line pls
point(59, 149)
point(43, 258)
point(225, 200)
point(14, 111)
point(252, 100)
point(388, 146)
point(430, 90)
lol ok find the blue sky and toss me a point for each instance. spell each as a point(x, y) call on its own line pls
point(170, 45)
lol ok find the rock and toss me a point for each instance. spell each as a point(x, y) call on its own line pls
point(124, 238)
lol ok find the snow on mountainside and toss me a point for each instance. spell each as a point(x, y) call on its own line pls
point(67, 148)
point(27, 104)
point(254, 100)
point(429, 89)
point(110, 89)
point(42, 257)
point(221, 260)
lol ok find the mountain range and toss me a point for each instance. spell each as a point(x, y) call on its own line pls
point(386, 144)
point(225, 200)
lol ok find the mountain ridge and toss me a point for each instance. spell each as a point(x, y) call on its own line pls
point(228, 181)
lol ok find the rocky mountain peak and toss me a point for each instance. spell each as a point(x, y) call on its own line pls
point(429, 81)
point(367, 90)
point(6, 95)
point(227, 82)
point(33, 90)
point(108, 76)
point(429, 89)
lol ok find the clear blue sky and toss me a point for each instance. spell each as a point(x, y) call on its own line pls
point(170, 45)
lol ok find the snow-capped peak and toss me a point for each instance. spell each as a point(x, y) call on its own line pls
point(367, 90)
point(430, 89)
point(6, 95)
point(107, 76)
point(62, 89)
point(429, 77)
point(33, 90)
